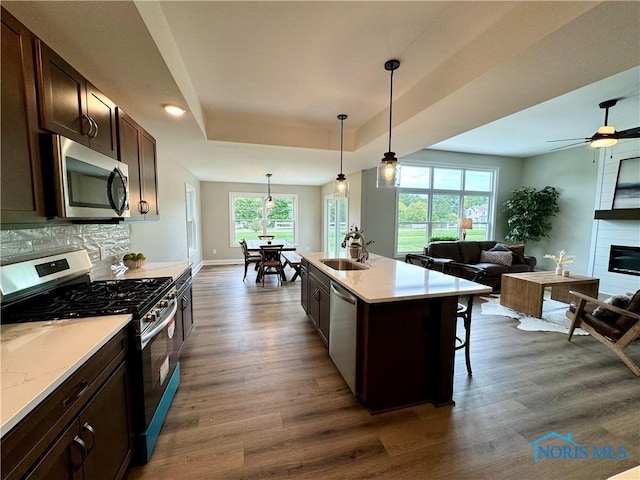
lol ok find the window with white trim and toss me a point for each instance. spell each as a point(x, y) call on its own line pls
point(250, 217)
point(432, 199)
point(192, 216)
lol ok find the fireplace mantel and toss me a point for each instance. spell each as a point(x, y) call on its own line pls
point(618, 214)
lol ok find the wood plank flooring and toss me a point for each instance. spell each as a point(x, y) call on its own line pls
point(260, 398)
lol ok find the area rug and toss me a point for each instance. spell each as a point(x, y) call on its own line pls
point(553, 319)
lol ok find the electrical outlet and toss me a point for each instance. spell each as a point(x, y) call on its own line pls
point(214, 251)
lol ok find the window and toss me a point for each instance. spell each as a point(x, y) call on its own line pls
point(250, 218)
point(336, 223)
point(192, 215)
point(432, 199)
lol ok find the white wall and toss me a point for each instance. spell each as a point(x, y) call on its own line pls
point(165, 240)
point(574, 173)
point(215, 218)
point(613, 232)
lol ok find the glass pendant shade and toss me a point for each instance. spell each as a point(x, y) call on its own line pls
point(388, 172)
point(341, 186)
point(268, 202)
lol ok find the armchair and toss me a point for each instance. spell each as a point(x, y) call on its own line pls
point(616, 332)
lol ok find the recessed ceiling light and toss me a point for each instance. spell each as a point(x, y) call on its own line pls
point(174, 110)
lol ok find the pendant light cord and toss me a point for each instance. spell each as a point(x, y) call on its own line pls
point(390, 109)
point(341, 140)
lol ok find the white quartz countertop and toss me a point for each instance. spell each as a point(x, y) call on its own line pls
point(37, 357)
point(151, 270)
point(389, 280)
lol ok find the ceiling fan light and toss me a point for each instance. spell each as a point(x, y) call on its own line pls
point(601, 142)
point(607, 130)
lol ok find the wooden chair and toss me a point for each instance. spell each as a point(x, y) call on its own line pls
point(464, 311)
point(249, 258)
point(271, 263)
point(615, 332)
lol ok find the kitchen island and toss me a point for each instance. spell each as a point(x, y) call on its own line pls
point(405, 328)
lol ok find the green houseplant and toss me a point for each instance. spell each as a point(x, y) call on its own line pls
point(529, 213)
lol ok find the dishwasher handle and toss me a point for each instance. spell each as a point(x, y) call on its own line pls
point(342, 295)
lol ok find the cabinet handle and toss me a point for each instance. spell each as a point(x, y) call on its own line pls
point(143, 207)
point(88, 428)
point(95, 125)
point(185, 302)
point(80, 389)
point(83, 453)
point(90, 123)
point(316, 294)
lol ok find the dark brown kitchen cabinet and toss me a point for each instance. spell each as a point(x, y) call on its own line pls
point(319, 302)
point(71, 106)
point(304, 283)
point(138, 150)
point(184, 314)
point(83, 429)
point(21, 191)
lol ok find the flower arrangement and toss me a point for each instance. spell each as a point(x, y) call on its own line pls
point(562, 259)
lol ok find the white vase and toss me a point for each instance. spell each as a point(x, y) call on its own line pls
point(558, 270)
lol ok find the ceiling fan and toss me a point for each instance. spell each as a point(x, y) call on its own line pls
point(606, 134)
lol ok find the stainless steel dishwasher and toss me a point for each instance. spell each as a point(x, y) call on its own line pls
point(342, 333)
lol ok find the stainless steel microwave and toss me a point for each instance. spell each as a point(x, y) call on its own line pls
point(85, 183)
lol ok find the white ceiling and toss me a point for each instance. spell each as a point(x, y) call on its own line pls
point(264, 81)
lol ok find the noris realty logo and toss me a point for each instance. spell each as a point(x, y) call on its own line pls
point(554, 446)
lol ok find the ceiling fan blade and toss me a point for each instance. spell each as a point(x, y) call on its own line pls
point(570, 145)
point(629, 133)
point(568, 140)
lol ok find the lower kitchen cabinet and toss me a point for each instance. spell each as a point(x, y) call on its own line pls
point(184, 314)
point(318, 285)
point(83, 429)
point(304, 282)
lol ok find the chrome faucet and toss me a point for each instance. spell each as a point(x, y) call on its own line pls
point(363, 254)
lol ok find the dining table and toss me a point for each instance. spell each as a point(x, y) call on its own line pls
point(256, 245)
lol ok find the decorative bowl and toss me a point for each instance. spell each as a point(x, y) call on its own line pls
point(134, 263)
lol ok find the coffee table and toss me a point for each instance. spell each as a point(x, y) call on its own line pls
point(524, 291)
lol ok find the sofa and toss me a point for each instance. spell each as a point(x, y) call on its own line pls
point(494, 257)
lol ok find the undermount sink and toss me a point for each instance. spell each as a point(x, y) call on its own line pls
point(343, 264)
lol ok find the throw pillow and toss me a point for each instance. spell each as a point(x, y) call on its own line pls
point(499, 258)
point(518, 253)
point(499, 248)
point(617, 301)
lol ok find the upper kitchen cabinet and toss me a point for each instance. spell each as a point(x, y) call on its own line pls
point(21, 189)
point(71, 106)
point(138, 150)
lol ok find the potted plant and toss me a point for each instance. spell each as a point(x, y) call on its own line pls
point(529, 213)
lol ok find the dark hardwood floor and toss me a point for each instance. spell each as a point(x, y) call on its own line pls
point(260, 398)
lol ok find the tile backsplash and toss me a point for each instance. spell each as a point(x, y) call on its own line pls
point(105, 243)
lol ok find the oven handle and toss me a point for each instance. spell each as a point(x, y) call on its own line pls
point(146, 337)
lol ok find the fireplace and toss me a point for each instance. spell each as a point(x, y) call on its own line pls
point(624, 260)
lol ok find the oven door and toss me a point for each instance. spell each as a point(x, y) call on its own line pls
point(159, 358)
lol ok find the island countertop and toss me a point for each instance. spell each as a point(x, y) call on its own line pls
point(389, 280)
point(37, 357)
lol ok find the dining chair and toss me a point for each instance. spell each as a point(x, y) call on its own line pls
point(271, 263)
point(464, 310)
point(249, 258)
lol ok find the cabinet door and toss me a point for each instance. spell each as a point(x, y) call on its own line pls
point(102, 111)
point(129, 153)
point(62, 96)
point(314, 301)
point(149, 180)
point(187, 311)
point(63, 460)
point(21, 186)
point(323, 315)
point(105, 428)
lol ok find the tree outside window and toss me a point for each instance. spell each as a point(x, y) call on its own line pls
point(250, 218)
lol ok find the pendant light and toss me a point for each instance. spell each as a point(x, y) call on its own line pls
point(389, 168)
point(341, 185)
point(268, 202)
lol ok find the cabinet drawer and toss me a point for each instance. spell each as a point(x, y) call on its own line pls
point(28, 440)
point(320, 278)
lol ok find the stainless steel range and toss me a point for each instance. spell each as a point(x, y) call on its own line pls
point(59, 287)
